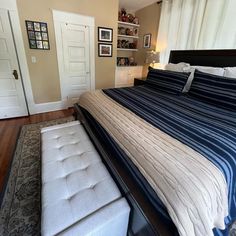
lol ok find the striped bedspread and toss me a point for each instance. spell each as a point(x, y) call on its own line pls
point(196, 126)
point(209, 130)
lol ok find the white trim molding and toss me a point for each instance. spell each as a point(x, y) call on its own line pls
point(47, 107)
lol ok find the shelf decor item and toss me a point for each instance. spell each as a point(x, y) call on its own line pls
point(128, 30)
point(136, 21)
point(126, 61)
point(129, 18)
point(132, 61)
point(124, 17)
point(37, 35)
point(122, 61)
point(104, 50)
point(147, 40)
point(105, 34)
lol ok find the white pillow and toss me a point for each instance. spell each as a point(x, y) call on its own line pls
point(230, 72)
point(206, 69)
point(210, 70)
point(177, 67)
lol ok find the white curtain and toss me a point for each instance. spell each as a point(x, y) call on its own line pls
point(196, 24)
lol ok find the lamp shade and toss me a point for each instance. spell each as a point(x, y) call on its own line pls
point(152, 57)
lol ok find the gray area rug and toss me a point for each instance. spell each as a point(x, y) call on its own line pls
point(20, 208)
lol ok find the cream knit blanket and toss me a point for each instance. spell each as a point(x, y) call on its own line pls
point(193, 190)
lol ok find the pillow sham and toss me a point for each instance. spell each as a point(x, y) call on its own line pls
point(207, 69)
point(213, 89)
point(210, 70)
point(230, 72)
point(167, 81)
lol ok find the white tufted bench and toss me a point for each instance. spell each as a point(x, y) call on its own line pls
point(79, 197)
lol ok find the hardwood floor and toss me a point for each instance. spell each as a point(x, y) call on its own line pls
point(9, 130)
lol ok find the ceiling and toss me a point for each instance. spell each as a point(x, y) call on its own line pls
point(134, 5)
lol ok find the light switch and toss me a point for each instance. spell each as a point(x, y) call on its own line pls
point(33, 59)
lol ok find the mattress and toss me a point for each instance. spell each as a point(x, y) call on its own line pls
point(208, 130)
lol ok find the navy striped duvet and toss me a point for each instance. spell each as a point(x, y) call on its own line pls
point(207, 129)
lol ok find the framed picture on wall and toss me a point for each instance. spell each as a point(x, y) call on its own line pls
point(45, 36)
point(39, 44)
point(31, 35)
point(36, 26)
point(29, 25)
point(37, 35)
point(45, 45)
point(105, 34)
point(43, 27)
point(104, 50)
point(147, 40)
point(33, 44)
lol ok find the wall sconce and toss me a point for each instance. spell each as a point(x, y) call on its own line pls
point(152, 57)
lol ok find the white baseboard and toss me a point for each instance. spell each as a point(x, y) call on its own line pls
point(47, 107)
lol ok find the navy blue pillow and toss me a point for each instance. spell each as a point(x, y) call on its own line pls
point(167, 81)
point(217, 90)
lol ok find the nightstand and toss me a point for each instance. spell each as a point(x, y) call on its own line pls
point(139, 81)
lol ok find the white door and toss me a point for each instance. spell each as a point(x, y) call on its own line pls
point(12, 99)
point(73, 49)
point(76, 73)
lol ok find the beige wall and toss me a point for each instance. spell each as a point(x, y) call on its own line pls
point(149, 22)
point(44, 74)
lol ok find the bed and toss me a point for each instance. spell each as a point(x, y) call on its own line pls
point(149, 215)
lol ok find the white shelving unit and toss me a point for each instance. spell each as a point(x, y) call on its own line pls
point(127, 49)
point(125, 74)
point(127, 36)
point(127, 23)
point(130, 38)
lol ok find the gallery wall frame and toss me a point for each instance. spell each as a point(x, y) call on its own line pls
point(37, 35)
point(105, 34)
point(104, 50)
point(147, 40)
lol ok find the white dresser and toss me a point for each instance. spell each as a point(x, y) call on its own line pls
point(125, 75)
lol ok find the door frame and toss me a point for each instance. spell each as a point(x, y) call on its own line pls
point(11, 7)
point(60, 17)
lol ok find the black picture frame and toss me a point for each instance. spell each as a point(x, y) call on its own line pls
point(105, 50)
point(32, 44)
point(37, 35)
point(147, 40)
point(122, 61)
point(105, 34)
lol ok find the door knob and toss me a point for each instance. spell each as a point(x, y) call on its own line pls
point(15, 74)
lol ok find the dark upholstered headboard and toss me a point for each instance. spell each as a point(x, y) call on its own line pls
point(214, 58)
